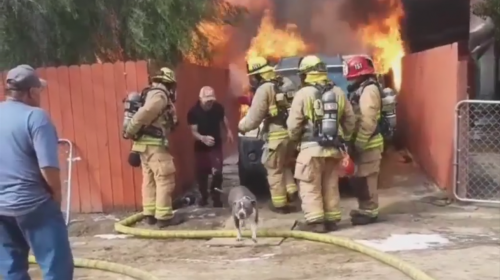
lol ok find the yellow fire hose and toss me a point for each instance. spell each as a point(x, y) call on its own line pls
point(124, 226)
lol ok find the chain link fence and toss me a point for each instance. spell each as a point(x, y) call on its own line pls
point(477, 151)
point(66, 159)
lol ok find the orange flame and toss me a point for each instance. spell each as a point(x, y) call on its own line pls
point(271, 42)
point(385, 38)
point(215, 38)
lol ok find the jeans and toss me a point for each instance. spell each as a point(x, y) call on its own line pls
point(44, 231)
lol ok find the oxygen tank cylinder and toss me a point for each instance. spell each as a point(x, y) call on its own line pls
point(389, 103)
point(329, 122)
point(131, 104)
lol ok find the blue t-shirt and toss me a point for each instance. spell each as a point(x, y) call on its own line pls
point(28, 142)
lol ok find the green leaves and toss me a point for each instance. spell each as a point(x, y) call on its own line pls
point(64, 32)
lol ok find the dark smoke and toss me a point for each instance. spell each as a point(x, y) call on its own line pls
point(359, 13)
point(320, 24)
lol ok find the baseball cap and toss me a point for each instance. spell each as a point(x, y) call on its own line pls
point(207, 93)
point(23, 77)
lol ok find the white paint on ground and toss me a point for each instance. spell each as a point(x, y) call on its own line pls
point(112, 236)
point(406, 242)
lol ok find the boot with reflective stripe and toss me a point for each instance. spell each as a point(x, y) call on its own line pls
point(316, 226)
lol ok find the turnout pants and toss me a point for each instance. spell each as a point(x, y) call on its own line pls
point(42, 230)
point(318, 187)
point(365, 182)
point(276, 159)
point(158, 182)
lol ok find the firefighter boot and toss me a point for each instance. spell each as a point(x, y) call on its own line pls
point(174, 221)
point(331, 226)
point(360, 218)
point(215, 188)
point(150, 220)
point(280, 210)
point(316, 227)
point(293, 197)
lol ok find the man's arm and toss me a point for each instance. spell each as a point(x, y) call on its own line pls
point(153, 107)
point(296, 116)
point(369, 105)
point(257, 111)
point(45, 144)
point(225, 125)
point(193, 124)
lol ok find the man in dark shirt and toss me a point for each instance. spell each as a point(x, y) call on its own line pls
point(206, 119)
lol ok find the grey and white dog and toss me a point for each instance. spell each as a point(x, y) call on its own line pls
point(243, 205)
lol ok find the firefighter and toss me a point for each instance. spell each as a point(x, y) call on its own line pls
point(271, 107)
point(367, 143)
point(149, 127)
point(322, 120)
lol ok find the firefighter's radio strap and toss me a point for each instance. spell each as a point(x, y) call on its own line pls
point(151, 130)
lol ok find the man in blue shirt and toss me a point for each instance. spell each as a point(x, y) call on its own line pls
point(30, 186)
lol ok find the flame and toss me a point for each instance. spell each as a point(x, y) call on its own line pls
point(384, 37)
point(271, 42)
point(215, 36)
point(274, 43)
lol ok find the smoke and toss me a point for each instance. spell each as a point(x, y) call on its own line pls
point(359, 13)
point(320, 23)
point(329, 26)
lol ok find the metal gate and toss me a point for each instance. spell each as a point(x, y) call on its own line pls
point(66, 156)
point(477, 151)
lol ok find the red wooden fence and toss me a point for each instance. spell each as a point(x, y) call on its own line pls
point(85, 103)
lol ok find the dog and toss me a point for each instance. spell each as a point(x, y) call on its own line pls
point(243, 205)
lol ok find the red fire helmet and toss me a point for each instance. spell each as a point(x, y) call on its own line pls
point(357, 66)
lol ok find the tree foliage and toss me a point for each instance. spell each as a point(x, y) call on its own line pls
point(63, 32)
point(489, 9)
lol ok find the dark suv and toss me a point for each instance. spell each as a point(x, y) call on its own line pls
point(251, 171)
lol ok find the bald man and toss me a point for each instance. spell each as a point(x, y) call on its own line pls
point(207, 120)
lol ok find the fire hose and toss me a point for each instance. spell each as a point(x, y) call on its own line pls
point(125, 227)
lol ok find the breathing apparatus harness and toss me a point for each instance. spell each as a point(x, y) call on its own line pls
point(135, 101)
point(325, 117)
point(387, 122)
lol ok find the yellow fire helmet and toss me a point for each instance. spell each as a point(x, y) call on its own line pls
point(311, 64)
point(258, 65)
point(165, 75)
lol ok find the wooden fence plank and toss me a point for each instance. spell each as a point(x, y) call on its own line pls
point(120, 93)
point(100, 129)
point(80, 141)
point(114, 135)
point(53, 94)
point(90, 127)
point(2, 86)
point(131, 84)
point(44, 97)
point(141, 68)
point(67, 130)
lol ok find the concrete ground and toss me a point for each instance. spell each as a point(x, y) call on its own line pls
point(456, 242)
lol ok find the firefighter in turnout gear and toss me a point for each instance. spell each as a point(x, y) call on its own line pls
point(322, 121)
point(367, 143)
point(149, 128)
point(270, 106)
